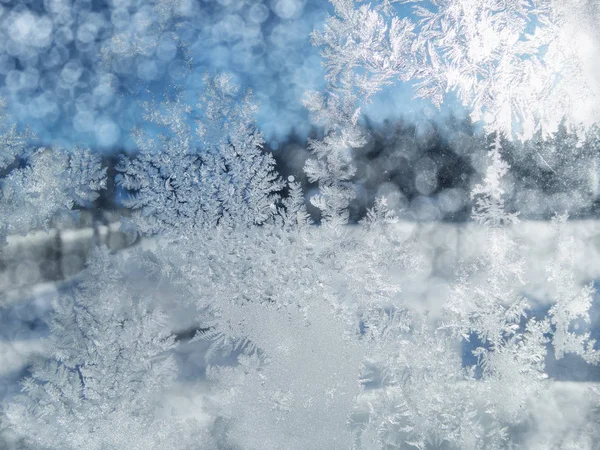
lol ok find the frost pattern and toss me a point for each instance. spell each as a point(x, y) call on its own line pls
point(362, 54)
point(520, 66)
point(321, 349)
point(573, 302)
point(287, 306)
point(42, 185)
point(434, 400)
point(109, 362)
point(222, 177)
point(489, 206)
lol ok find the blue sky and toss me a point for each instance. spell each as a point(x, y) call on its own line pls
point(75, 71)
